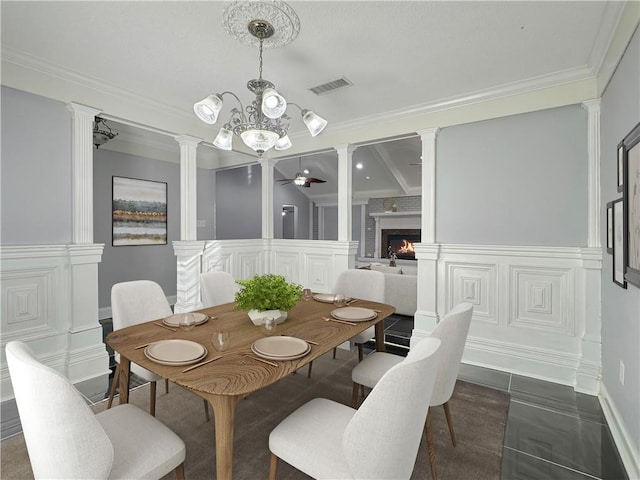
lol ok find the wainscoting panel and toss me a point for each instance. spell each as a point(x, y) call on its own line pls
point(40, 309)
point(312, 263)
point(530, 314)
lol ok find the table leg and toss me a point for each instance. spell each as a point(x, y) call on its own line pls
point(380, 347)
point(125, 370)
point(224, 409)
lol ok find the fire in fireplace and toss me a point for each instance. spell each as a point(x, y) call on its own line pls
point(401, 242)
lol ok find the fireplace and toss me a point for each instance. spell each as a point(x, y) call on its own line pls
point(401, 242)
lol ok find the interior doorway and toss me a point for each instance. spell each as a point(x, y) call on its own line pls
point(289, 221)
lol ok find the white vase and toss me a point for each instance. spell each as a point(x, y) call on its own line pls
point(257, 317)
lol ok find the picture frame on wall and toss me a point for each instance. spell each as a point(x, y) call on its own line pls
point(139, 212)
point(620, 165)
point(631, 200)
point(610, 227)
point(618, 243)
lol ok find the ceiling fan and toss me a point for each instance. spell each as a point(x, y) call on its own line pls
point(301, 179)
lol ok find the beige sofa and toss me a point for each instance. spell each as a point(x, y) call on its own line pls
point(401, 289)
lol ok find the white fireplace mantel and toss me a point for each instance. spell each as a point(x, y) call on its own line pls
point(394, 220)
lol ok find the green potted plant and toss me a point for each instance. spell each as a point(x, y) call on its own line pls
point(267, 296)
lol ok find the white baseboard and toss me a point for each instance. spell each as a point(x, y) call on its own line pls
point(627, 450)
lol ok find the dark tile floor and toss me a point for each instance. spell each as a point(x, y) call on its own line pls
point(552, 432)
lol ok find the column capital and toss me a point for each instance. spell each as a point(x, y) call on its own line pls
point(428, 132)
point(267, 162)
point(77, 109)
point(592, 104)
point(187, 140)
point(346, 148)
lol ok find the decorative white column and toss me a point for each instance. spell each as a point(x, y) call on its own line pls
point(188, 187)
point(590, 367)
point(189, 267)
point(86, 357)
point(593, 156)
point(427, 251)
point(345, 189)
point(82, 171)
point(267, 165)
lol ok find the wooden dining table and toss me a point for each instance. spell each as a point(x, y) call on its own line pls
point(238, 372)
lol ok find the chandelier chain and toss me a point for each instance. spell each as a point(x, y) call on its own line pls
point(260, 71)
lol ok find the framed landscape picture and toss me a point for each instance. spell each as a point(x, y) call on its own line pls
point(620, 165)
point(139, 212)
point(610, 227)
point(618, 243)
point(632, 205)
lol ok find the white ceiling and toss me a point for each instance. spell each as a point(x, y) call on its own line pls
point(401, 56)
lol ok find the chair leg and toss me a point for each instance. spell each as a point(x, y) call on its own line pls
point(309, 372)
point(354, 395)
point(273, 467)
point(334, 352)
point(432, 452)
point(166, 385)
point(114, 382)
point(360, 352)
point(152, 399)
point(206, 409)
point(447, 413)
point(180, 472)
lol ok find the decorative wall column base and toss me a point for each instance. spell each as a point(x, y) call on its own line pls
point(189, 254)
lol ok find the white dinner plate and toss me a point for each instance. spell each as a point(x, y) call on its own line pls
point(174, 320)
point(175, 352)
point(281, 358)
point(280, 346)
point(327, 297)
point(354, 314)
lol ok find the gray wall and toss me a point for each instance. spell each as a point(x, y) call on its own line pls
point(35, 170)
point(331, 223)
point(139, 262)
point(206, 185)
point(518, 180)
point(238, 200)
point(238, 196)
point(620, 112)
point(290, 195)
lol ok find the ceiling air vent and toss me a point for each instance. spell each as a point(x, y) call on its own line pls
point(330, 86)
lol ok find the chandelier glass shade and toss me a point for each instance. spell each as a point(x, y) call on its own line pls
point(101, 132)
point(264, 123)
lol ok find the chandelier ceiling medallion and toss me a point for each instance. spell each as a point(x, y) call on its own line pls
point(264, 123)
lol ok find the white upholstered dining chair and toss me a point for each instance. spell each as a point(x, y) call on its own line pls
point(452, 331)
point(217, 287)
point(328, 440)
point(137, 302)
point(363, 284)
point(65, 439)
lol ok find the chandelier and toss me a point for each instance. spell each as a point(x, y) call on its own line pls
point(101, 132)
point(264, 123)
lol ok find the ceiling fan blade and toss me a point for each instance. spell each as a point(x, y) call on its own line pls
point(285, 181)
point(315, 180)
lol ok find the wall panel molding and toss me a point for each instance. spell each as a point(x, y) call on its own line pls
point(530, 308)
point(49, 301)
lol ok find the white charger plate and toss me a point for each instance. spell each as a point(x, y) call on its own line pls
point(280, 346)
point(281, 358)
point(354, 314)
point(174, 320)
point(175, 352)
point(327, 297)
